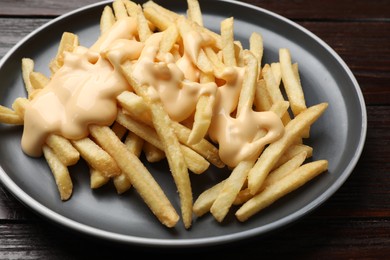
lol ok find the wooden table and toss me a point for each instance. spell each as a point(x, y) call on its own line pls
point(352, 224)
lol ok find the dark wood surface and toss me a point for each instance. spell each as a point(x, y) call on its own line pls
point(352, 224)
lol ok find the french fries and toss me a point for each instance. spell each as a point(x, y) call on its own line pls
point(219, 84)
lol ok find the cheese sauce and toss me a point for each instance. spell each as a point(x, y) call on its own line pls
point(84, 90)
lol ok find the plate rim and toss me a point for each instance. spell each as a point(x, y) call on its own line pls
point(84, 229)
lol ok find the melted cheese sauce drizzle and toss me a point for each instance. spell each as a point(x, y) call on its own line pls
point(83, 92)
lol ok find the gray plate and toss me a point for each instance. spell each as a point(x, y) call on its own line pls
point(338, 136)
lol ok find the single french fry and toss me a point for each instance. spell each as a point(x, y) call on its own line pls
point(135, 106)
point(230, 189)
point(139, 176)
point(195, 162)
point(194, 13)
point(64, 149)
point(273, 152)
point(227, 36)
point(277, 190)
point(119, 130)
point(119, 9)
point(131, 7)
point(134, 144)
point(6, 110)
point(248, 89)
point(60, 172)
point(27, 68)
point(292, 151)
point(152, 153)
point(38, 80)
point(19, 106)
point(203, 63)
point(169, 39)
point(256, 46)
point(97, 179)
point(121, 183)
point(96, 157)
point(68, 42)
point(218, 65)
point(11, 118)
point(275, 67)
point(107, 19)
point(144, 31)
point(273, 89)
point(306, 133)
point(291, 84)
point(202, 118)
point(171, 15)
point(262, 101)
point(160, 20)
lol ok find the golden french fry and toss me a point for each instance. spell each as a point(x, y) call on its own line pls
point(218, 65)
point(291, 84)
point(195, 162)
point(144, 31)
point(275, 191)
point(6, 110)
point(248, 89)
point(202, 119)
point(68, 42)
point(134, 144)
point(119, 130)
point(139, 176)
point(160, 20)
point(38, 80)
point(256, 46)
point(194, 13)
point(63, 148)
point(273, 152)
point(12, 119)
point(97, 179)
point(60, 172)
point(292, 151)
point(152, 153)
point(227, 36)
point(275, 67)
point(96, 157)
point(170, 37)
point(262, 101)
point(27, 68)
point(161, 10)
point(119, 9)
point(107, 19)
point(135, 106)
point(273, 89)
point(19, 106)
point(121, 183)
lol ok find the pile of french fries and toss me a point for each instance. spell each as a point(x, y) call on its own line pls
point(143, 125)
